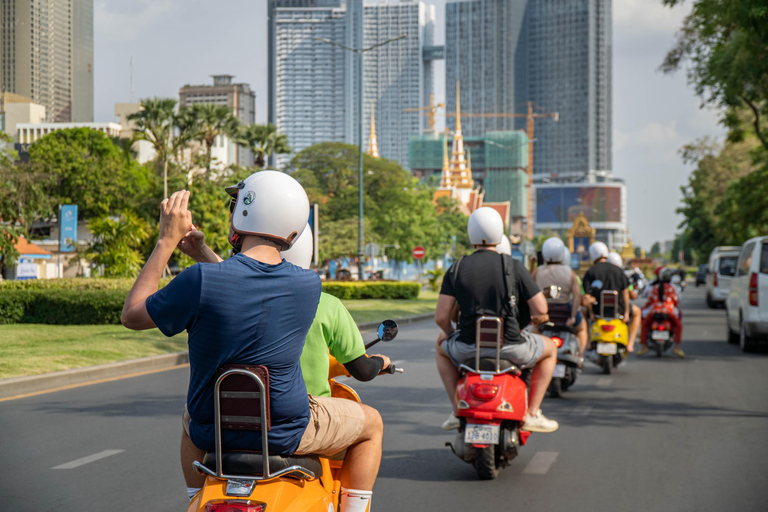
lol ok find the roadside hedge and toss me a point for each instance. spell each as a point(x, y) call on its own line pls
point(61, 306)
point(372, 289)
point(100, 301)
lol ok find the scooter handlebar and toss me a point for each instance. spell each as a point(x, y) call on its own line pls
point(392, 369)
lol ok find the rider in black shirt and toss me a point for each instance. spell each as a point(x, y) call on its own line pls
point(477, 282)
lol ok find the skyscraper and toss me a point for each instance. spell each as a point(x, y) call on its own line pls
point(555, 53)
point(313, 85)
point(47, 55)
point(396, 76)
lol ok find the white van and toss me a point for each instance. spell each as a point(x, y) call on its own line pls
point(747, 303)
point(722, 267)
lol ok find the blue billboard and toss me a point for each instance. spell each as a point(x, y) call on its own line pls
point(563, 204)
point(67, 227)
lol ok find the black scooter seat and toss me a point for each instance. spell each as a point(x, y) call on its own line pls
point(251, 463)
point(488, 364)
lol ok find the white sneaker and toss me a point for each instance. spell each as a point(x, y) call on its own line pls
point(452, 423)
point(539, 423)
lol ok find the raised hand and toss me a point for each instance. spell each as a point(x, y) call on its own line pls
point(175, 218)
point(192, 243)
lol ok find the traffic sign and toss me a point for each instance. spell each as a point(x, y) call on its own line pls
point(418, 252)
point(372, 250)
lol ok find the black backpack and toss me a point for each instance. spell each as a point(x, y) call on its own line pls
point(518, 308)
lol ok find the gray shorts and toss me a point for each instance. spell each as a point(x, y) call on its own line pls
point(523, 355)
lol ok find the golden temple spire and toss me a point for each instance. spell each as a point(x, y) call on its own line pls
point(445, 178)
point(373, 145)
point(458, 107)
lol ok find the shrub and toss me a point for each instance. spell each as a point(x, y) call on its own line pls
point(372, 290)
point(61, 307)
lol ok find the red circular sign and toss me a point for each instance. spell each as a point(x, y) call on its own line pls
point(418, 252)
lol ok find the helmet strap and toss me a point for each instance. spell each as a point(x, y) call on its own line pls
point(237, 243)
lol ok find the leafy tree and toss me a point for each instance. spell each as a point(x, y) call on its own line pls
point(210, 122)
point(397, 209)
point(88, 170)
point(547, 233)
point(263, 140)
point(116, 244)
point(655, 250)
point(167, 131)
point(726, 44)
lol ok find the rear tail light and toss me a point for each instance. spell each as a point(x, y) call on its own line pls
point(714, 279)
point(558, 341)
point(753, 289)
point(235, 506)
point(484, 391)
point(607, 328)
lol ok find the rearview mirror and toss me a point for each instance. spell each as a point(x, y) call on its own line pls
point(387, 330)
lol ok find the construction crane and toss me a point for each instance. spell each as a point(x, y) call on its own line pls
point(530, 116)
point(430, 112)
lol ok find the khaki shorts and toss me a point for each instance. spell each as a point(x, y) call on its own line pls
point(334, 424)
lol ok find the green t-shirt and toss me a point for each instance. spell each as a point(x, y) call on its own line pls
point(334, 331)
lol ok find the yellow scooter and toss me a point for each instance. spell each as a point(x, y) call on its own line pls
point(609, 333)
point(245, 481)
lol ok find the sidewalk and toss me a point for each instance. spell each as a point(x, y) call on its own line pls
point(19, 387)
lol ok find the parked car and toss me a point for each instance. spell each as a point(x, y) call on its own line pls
point(722, 267)
point(701, 275)
point(747, 302)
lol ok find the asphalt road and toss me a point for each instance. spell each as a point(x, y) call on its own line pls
point(657, 435)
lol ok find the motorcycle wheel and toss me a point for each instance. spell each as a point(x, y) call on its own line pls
point(556, 388)
point(607, 364)
point(485, 463)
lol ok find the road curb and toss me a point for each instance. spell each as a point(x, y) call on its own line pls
point(50, 381)
point(366, 326)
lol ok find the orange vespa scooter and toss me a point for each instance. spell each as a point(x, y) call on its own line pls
point(246, 481)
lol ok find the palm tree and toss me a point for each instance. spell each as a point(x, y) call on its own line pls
point(210, 122)
point(158, 123)
point(263, 140)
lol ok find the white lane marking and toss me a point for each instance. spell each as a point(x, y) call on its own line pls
point(581, 411)
point(87, 460)
point(605, 381)
point(540, 463)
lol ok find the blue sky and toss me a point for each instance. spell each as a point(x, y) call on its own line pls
point(177, 42)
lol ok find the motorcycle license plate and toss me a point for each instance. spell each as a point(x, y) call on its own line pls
point(660, 335)
point(481, 434)
point(607, 349)
point(559, 371)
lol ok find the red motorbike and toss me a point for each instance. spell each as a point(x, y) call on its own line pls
point(492, 399)
point(661, 335)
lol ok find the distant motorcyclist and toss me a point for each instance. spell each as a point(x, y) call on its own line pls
point(555, 271)
point(663, 300)
point(635, 314)
point(604, 276)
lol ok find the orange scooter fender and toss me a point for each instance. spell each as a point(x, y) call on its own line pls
point(290, 494)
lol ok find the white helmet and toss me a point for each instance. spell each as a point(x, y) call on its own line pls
point(485, 227)
point(269, 204)
point(552, 250)
point(300, 253)
point(613, 257)
point(566, 256)
point(598, 250)
point(504, 247)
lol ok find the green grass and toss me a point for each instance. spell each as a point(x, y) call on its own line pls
point(372, 310)
point(34, 349)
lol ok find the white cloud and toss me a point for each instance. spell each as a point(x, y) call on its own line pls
point(646, 17)
point(126, 26)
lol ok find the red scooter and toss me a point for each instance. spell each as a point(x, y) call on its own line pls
point(661, 335)
point(492, 399)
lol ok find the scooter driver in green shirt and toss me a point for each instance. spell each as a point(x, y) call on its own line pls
point(333, 329)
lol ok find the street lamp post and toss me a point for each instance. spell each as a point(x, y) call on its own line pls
point(359, 52)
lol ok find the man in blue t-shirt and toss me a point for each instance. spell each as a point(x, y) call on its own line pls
point(254, 308)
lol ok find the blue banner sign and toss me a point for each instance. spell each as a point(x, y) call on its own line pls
point(67, 227)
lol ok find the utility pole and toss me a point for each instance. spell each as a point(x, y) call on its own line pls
point(359, 52)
